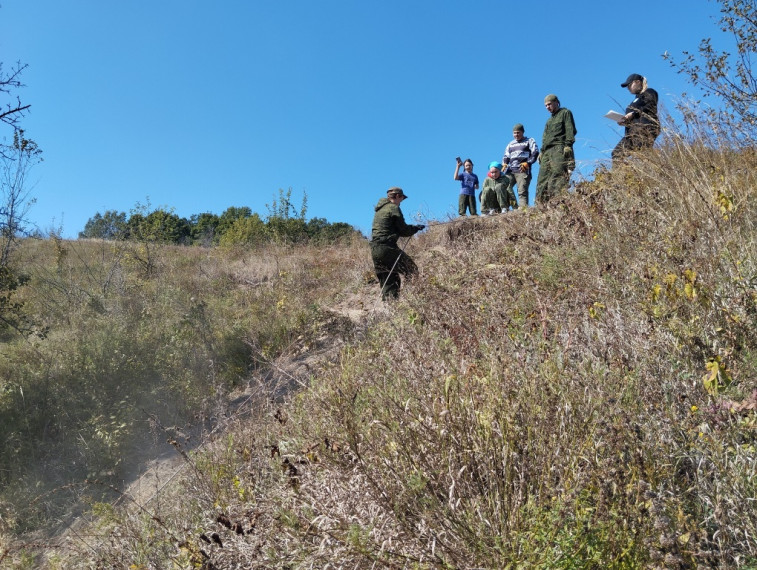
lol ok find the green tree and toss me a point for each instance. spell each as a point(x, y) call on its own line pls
point(319, 229)
point(166, 227)
point(158, 226)
point(204, 228)
point(134, 225)
point(728, 76)
point(249, 230)
point(111, 225)
point(230, 216)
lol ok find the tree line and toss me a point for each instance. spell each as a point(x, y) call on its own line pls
point(235, 226)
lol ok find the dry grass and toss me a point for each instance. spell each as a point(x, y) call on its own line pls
point(570, 386)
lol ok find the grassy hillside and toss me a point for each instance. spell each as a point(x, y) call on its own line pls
point(137, 340)
point(570, 386)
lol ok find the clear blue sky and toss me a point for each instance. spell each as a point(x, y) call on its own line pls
point(203, 105)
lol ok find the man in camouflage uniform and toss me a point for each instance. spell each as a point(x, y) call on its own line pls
point(557, 160)
point(389, 260)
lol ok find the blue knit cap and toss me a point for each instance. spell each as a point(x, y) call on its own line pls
point(495, 165)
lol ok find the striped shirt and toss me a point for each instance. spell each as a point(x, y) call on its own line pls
point(524, 150)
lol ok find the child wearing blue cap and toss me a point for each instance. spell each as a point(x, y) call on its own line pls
point(495, 193)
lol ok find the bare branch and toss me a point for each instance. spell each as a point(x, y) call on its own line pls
point(11, 81)
point(10, 116)
point(12, 112)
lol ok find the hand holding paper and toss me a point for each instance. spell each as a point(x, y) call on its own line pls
point(615, 116)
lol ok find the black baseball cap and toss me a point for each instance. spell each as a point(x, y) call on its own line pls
point(631, 78)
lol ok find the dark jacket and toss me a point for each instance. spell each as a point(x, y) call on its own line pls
point(644, 110)
point(389, 223)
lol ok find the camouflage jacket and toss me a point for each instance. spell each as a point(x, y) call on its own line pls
point(389, 223)
point(560, 130)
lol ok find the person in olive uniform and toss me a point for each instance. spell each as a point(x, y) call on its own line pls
point(641, 122)
point(497, 195)
point(556, 159)
point(389, 260)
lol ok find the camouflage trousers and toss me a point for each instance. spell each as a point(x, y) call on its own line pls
point(554, 173)
point(389, 262)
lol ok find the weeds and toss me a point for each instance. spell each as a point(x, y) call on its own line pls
point(569, 386)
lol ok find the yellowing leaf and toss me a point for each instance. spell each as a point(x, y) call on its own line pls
point(717, 376)
point(595, 310)
point(724, 202)
point(656, 292)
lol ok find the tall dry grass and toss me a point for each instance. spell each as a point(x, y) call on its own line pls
point(566, 387)
point(130, 358)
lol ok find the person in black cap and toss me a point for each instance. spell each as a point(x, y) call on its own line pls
point(640, 121)
point(389, 260)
